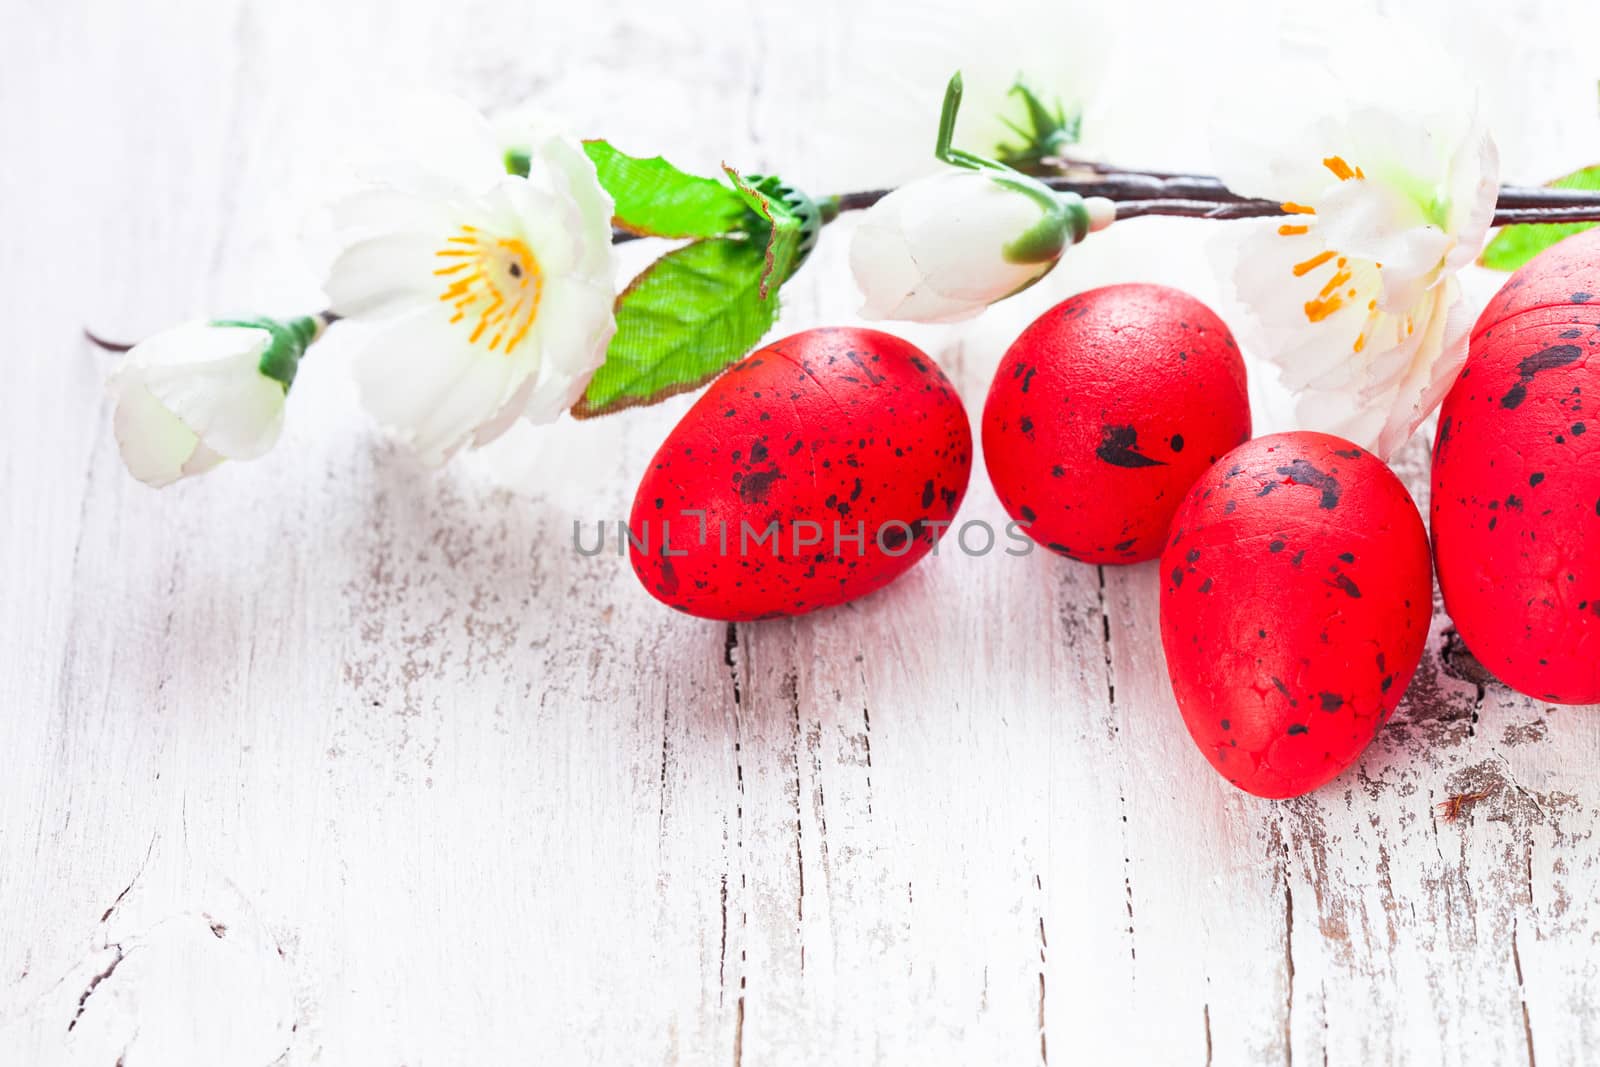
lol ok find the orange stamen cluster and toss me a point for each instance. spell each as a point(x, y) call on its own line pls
point(493, 284)
point(1336, 291)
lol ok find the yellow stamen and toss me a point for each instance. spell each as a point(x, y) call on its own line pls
point(1334, 282)
point(1291, 231)
point(499, 294)
point(1292, 208)
point(1302, 269)
point(1342, 170)
point(1317, 310)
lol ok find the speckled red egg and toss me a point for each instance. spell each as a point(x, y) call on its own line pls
point(1516, 480)
point(1103, 413)
point(815, 471)
point(1295, 600)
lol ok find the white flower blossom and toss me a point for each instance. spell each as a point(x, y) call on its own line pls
point(492, 291)
point(1353, 293)
point(197, 394)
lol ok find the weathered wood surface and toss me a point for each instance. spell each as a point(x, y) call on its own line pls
point(327, 759)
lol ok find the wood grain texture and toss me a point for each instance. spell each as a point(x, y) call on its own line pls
point(329, 759)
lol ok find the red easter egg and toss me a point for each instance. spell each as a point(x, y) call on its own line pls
point(1103, 413)
point(1516, 480)
point(815, 471)
point(1562, 275)
point(1294, 608)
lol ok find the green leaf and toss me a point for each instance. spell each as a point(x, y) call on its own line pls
point(1515, 245)
point(681, 322)
point(1048, 134)
point(698, 309)
point(656, 199)
point(767, 198)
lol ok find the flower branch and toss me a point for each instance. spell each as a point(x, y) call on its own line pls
point(1143, 193)
point(487, 277)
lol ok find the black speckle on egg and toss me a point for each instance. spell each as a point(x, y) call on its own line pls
point(1119, 446)
point(1303, 473)
point(1343, 582)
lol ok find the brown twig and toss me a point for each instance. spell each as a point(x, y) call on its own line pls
point(1198, 196)
point(101, 342)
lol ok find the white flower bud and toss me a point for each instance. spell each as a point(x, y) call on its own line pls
point(192, 396)
point(943, 248)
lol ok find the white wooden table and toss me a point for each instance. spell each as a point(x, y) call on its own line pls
point(328, 759)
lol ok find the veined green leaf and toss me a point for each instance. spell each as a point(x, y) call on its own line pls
point(700, 308)
point(1515, 245)
point(656, 199)
point(692, 313)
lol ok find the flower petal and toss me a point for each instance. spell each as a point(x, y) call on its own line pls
point(233, 407)
point(1375, 221)
point(881, 262)
point(573, 179)
point(155, 444)
point(1439, 358)
point(956, 232)
point(204, 459)
point(422, 380)
point(208, 378)
point(385, 275)
point(576, 324)
point(933, 250)
point(1474, 190)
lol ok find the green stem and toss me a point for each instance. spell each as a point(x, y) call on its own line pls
point(947, 123)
